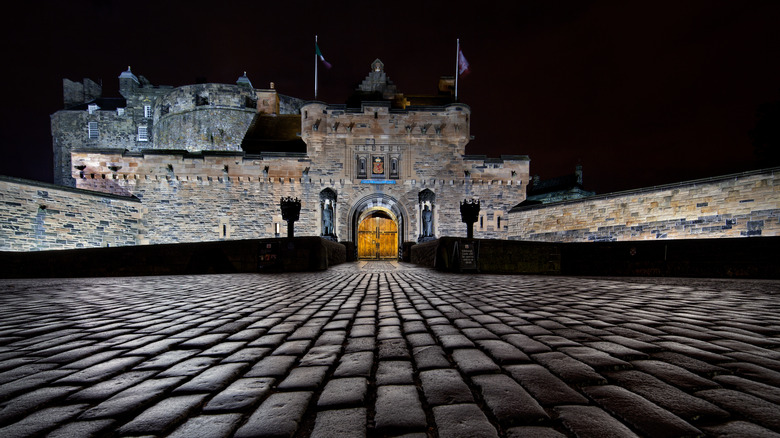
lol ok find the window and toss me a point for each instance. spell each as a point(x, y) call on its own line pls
point(91, 108)
point(92, 129)
point(394, 167)
point(148, 111)
point(143, 133)
point(120, 111)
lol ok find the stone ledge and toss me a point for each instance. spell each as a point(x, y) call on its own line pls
point(755, 257)
point(285, 255)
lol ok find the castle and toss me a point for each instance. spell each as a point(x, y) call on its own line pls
point(211, 162)
point(208, 162)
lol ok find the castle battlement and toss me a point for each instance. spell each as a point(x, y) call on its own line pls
point(377, 121)
point(185, 166)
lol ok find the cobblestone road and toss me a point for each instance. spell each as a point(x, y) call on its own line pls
point(375, 350)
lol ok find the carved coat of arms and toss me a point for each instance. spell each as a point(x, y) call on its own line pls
point(379, 166)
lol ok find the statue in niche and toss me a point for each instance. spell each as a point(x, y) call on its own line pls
point(328, 204)
point(427, 200)
point(427, 220)
point(327, 219)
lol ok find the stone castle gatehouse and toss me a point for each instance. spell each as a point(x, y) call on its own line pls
point(211, 162)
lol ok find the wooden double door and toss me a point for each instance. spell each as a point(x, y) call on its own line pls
point(377, 237)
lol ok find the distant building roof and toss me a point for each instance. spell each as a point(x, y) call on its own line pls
point(562, 188)
point(540, 187)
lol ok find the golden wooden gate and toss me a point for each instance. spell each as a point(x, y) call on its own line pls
point(377, 238)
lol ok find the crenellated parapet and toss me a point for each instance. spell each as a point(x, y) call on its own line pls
point(108, 165)
point(185, 166)
point(377, 121)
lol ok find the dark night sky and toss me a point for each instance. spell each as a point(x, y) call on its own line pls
point(639, 93)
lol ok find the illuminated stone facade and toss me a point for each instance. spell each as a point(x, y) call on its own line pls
point(741, 205)
point(183, 153)
point(209, 162)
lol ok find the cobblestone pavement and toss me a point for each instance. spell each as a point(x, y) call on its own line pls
point(385, 350)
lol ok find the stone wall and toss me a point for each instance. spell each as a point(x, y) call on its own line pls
point(192, 117)
point(38, 216)
point(205, 117)
point(116, 129)
point(261, 255)
point(202, 197)
point(740, 205)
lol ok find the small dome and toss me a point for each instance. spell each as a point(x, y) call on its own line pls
point(243, 80)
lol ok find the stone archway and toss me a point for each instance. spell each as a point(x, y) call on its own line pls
point(378, 226)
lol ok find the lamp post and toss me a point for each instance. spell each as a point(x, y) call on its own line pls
point(469, 212)
point(291, 211)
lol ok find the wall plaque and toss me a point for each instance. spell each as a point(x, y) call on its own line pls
point(268, 256)
point(466, 255)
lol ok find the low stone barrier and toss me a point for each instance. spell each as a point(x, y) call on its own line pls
point(492, 256)
point(717, 258)
point(257, 255)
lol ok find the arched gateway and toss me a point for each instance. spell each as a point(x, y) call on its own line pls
point(377, 225)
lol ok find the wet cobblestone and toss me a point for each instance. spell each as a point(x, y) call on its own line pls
point(389, 350)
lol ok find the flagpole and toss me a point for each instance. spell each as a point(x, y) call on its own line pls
point(315, 68)
point(457, 73)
